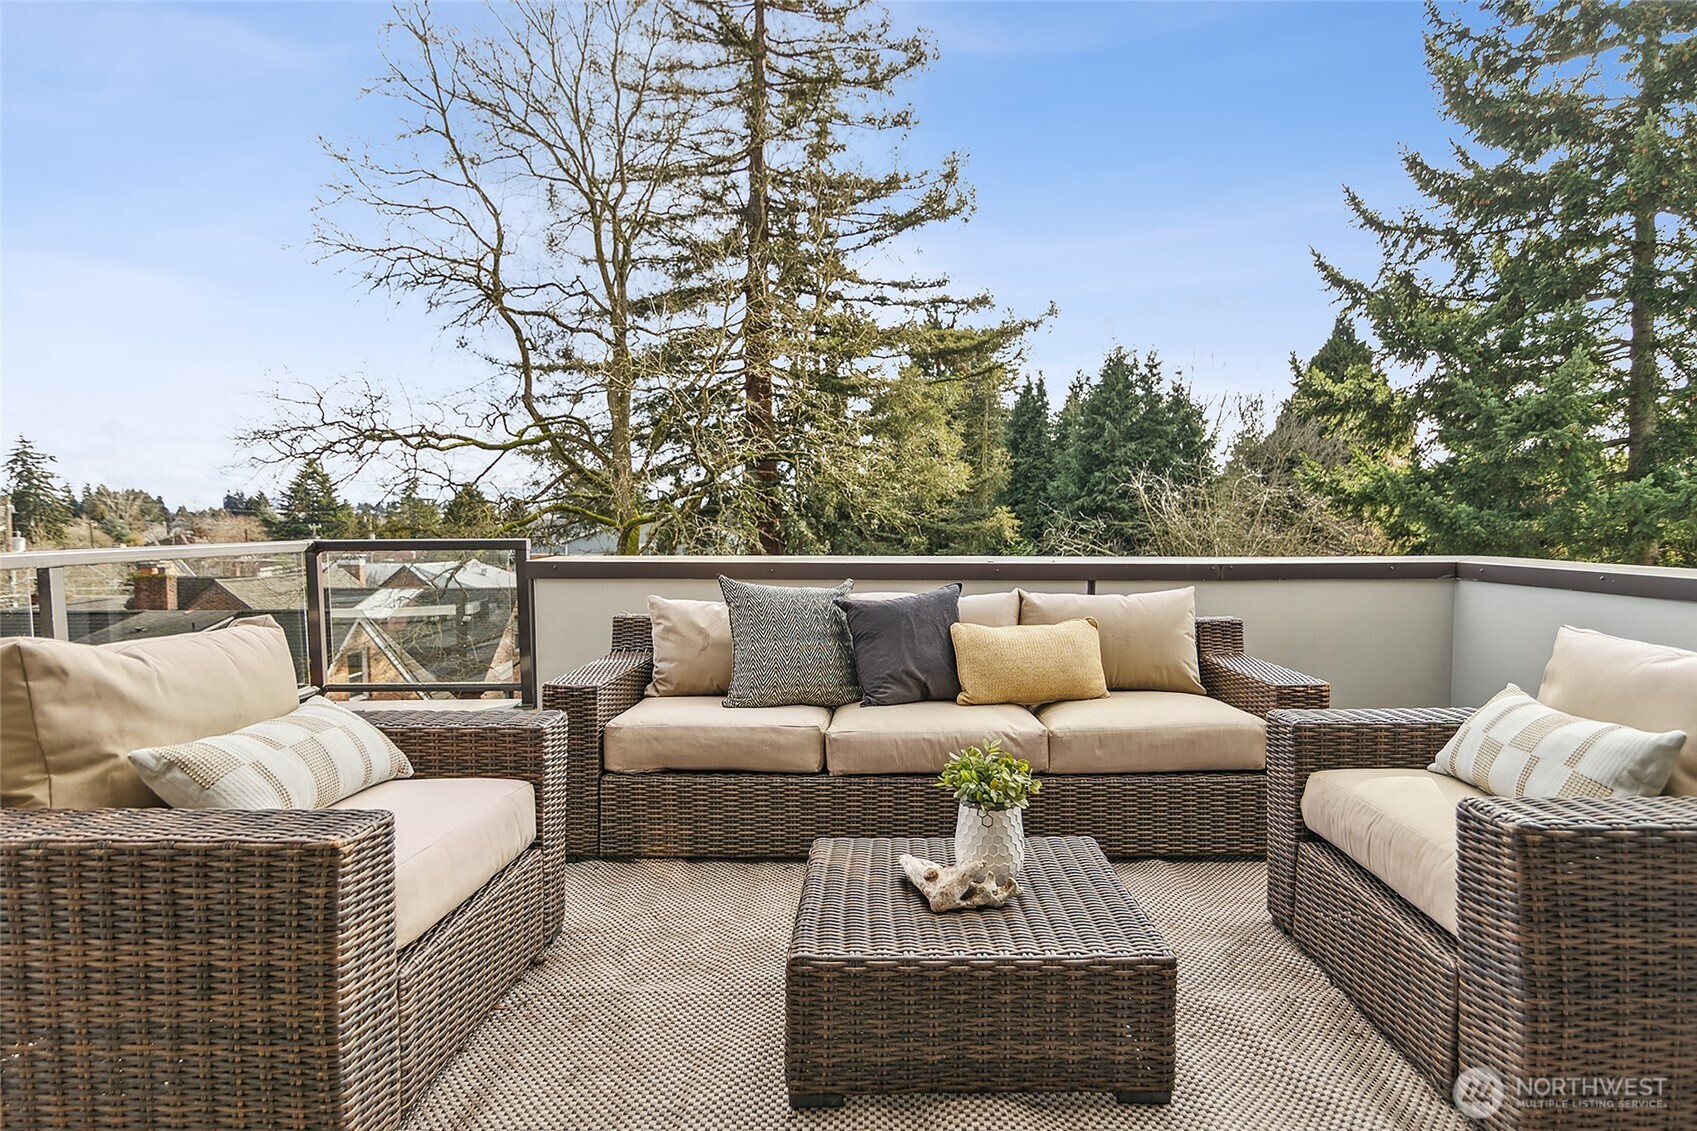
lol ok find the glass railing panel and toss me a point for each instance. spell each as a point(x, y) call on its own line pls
point(18, 615)
point(409, 624)
point(179, 592)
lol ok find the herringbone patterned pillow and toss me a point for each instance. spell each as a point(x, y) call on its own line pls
point(1514, 746)
point(789, 646)
point(311, 757)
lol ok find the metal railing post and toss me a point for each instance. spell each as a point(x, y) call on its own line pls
point(526, 613)
point(50, 599)
point(316, 632)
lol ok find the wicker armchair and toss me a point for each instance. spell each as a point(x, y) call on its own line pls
point(1576, 955)
point(708, 814)
point(217, 969)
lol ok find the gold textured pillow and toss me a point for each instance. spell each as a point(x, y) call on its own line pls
point(1029, 663)
point(1148, 639)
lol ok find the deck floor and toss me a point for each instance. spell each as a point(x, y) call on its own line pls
point(661, 1005)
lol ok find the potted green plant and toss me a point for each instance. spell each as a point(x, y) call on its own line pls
point(993, 788)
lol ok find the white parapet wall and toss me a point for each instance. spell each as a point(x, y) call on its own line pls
point(1383, 631)
point(1504, 632)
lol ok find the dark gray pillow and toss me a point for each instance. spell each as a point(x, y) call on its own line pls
point(788, 646)
point(902, 649)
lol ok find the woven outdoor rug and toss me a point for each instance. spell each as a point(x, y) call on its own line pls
point(662, 1006)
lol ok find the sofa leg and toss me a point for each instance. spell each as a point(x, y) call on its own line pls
point(1143, 1097)
point(802, 1102)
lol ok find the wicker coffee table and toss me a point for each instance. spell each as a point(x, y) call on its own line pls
point(1067, 988)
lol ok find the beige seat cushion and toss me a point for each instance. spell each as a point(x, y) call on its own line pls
point(1152, 732)
point(692, 647)
point(71, 713)
point(1397, 824)
point(452, 835)
point(917, 738)
point(1649, 687)
point(1148, 639)
point(698, 732)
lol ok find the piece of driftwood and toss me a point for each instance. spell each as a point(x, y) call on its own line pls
point(958, 887)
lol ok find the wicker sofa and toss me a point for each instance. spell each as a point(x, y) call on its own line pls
point(750, 813)
point(1568, 956)
point(183, 968)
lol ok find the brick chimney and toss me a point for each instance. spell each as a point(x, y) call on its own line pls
point(155, 588)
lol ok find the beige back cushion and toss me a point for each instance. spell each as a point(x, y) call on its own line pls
point(1651, 687)
point(992, 610)
point(71, 713)
point(692, 639)
point(692, 647)
point(1148, 639)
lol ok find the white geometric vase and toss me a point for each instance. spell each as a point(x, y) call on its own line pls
point(995, 836)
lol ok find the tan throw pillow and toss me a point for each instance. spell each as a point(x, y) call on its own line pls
point(1148, 639)
point(69, 713)
point(1029, 663)
point(692, 647)
point(1651, 687)
point(312, 757)
point(1514, 746)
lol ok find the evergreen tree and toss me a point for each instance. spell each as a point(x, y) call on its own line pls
point(411, 516)
point(801, 91)
point(1031, 460)
point(1131, 423)
point(470, 514)
point(40, 506)
point(1545, 288)
point(311, 509)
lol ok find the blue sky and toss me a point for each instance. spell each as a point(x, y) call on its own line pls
point(1158, 170)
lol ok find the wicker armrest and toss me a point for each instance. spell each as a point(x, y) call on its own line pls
point(1578, 935)
point(496, 743)
point(194, 964)
point(591, 697)
point(1259, 687)
point(1302, 742)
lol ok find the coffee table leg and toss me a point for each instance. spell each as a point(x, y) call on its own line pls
point(1143, 1097)
point(800, 1102)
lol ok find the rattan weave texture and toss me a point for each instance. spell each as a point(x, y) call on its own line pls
point(1067, 988)
point(1302, 742)
point(163, 968)
point(1575, 966)
point(216, 969)
point(711, 815)
point(1579, 951)
point(1359, 930)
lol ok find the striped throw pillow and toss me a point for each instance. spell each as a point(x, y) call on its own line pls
point(311, 757)
point(1514, 746)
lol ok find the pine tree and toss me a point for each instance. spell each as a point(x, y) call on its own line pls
point(1031, 460)
point(803, 90)
point(411, 516)
point(40, 506)
point(1131, 422)
point(1544, 289)
point(311, 509)
point(470, 514)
